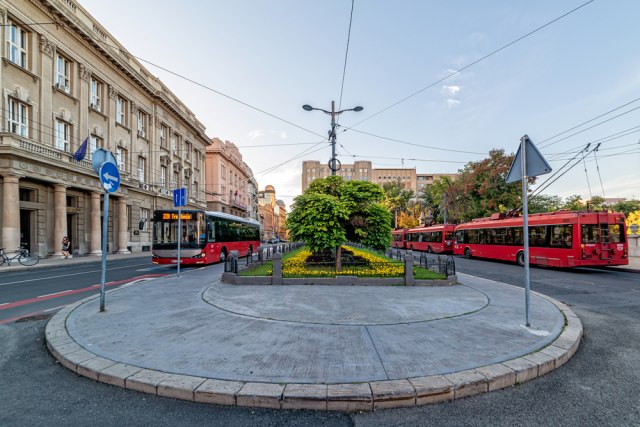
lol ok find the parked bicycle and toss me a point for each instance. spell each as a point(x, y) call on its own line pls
point(24, 257)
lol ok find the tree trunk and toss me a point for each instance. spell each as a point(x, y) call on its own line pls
point(338, 256)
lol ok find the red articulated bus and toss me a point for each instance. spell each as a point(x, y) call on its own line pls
point(556, 239)
point(433, 239)
point(207, 237)
point(397, 238)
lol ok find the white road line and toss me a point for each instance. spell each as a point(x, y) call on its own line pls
point(67, 275)
point(55, 293)
point(54, 308)
point(4, 303)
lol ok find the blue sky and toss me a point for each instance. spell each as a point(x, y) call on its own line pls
point(278, 55)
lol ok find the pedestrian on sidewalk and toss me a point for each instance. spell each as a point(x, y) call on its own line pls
point(66, 247)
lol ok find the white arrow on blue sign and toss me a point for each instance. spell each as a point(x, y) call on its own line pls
point(180, 197)
point(109, 177)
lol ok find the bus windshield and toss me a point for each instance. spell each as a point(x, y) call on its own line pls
point(193, 229)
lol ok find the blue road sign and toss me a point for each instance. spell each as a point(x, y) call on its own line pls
point(109, 177)
point(180, 197)
point(101, 156)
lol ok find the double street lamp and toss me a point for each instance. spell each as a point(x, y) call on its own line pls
point(332, 133)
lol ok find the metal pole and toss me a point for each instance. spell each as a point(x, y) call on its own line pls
point(105, 226)
point(333, 137)
point(445, 207)
point(525, 225)
point(179, 238)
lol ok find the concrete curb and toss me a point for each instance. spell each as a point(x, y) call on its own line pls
point(349, 397)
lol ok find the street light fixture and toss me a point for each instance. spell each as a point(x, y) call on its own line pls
point(332, 133)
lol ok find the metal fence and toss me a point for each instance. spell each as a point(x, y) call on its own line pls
point(442, 264)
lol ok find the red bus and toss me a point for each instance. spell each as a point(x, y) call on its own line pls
point(207, 237)
point(556, 239)
point(397, 238)
point(437, 238)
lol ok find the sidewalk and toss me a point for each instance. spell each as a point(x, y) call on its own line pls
point(77, 259)
point(345, 348)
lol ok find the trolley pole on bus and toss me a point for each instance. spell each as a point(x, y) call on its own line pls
point(527, 163)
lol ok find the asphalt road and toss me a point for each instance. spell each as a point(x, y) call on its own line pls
point(599, 386)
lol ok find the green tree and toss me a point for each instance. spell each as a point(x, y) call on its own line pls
point(332, 211)
point(573, 203)
point(626, 206)
point(397, 198)
point(544, 203)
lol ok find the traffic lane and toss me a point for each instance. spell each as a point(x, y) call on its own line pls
point(50, 303)
point(585, 287)
point(20, 285)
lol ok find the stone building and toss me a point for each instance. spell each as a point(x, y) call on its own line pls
point(269, 213)
point(363, 170)
point(282, 218)
point(65, 80)
point(230, 184)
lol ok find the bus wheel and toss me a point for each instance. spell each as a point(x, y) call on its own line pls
point(520, 259)
point(429, 251)
point(223, 255)
point(467, 253)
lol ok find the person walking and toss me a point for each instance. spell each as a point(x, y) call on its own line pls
point(66, 247)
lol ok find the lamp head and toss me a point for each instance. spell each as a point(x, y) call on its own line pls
point(307, 107)
point(358, 108)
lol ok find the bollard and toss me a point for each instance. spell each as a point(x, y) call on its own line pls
point(409, 280)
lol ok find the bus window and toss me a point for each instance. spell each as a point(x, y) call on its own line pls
point(538, 236)
point(616, 233)
point(561, 236)
point(590, 233)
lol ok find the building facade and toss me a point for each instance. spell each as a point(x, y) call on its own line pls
point(230, 184)
point(64, 81)
point(269, 213)
point(363, 171)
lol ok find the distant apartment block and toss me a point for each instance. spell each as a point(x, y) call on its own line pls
point(363, 171)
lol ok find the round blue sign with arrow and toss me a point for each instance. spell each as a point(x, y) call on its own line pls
point(109, 177)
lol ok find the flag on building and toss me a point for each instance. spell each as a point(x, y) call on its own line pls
point(82, 150)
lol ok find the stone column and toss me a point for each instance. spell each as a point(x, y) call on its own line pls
point(10, 213)
point(95, 244)
point(59, 218)
point(123, 233)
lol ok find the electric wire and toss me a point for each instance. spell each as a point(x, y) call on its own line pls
point(472, 64)
point(202, 85)
point(598, 168)
point(346, 55)
point(585, 122)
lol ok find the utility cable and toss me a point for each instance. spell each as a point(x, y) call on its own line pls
point(346, 55)
point(598, 168)
point(472, 63)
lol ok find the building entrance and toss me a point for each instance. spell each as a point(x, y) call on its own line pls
point(25, 228)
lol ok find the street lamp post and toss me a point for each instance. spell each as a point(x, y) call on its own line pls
point(332, 133)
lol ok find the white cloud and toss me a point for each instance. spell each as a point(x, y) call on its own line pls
point(451, 90)
point(452, 103)
point(257, 133)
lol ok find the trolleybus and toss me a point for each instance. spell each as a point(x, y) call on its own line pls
point(206, 237)
point(433, 239)
point(557, 239)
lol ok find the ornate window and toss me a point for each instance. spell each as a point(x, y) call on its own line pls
point(18, 117)
point(95, 99)
point(63, 74)
point(63, 135)
point(121, 111)
point(17, 42)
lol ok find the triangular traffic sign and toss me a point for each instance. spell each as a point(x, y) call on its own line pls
point(536, 164)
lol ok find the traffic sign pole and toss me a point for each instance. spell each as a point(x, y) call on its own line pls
point(525, 229)
point(179, 237)
point(105, 224)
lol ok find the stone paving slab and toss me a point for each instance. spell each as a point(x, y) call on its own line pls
point(351, 353)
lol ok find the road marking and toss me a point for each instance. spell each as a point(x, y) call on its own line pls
point(55, 293)
point(6, 306)
point(67, 275)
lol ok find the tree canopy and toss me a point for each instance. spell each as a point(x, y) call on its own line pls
point(333, 211)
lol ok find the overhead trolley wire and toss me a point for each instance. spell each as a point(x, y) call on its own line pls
point(346, 55)
point(472, 63)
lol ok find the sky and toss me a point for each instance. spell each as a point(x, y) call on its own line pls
point(441, 83)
